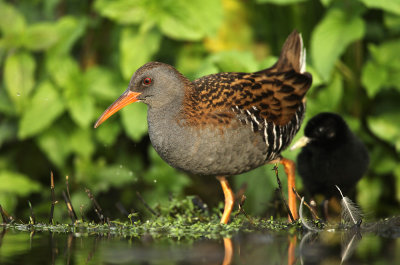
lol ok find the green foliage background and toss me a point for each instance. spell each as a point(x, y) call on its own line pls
point(63, 62)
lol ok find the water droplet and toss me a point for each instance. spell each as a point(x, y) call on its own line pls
point(155, 181)
point(18, 94)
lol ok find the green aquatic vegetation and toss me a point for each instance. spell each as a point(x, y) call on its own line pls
point(179, 218)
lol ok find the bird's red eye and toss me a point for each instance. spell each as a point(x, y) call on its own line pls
point(147, 81)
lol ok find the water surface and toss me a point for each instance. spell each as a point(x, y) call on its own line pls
point(370, 245)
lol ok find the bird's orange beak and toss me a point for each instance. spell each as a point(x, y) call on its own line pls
point(125, 99)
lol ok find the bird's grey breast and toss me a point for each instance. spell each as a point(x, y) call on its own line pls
point(207, 150)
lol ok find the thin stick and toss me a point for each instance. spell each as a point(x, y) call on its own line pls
point(81, 209)
point(241, 210)
point(69, 245)
point(239, 194)
point(5, 216)
point(312, 210)
point(69, 199)
point(146, 205)
point(281, 193)
point(122, 209)
point(3, 233)
point(69, 207)
point(32, 219)
point(97, 207)
point(53, 197)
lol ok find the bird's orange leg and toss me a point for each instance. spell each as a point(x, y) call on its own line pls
point(229, 199)
point(290, 168)
point(292, 250)
point(228, 247)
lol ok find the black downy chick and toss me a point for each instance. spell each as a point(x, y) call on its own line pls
point(331, 155)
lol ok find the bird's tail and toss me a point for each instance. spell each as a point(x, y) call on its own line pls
point(293, 55)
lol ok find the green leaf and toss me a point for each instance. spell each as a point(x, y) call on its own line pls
point(392, 22)
point(45, 106)
point(69, 30)
point(63, 69)
point(328, 98)
point(100, 176)
point(103, 83)
point(369, 190)
point(163, 179)
point(386, 126)
point(373, 78)
point(67, 74)
point(41, 36)
point(391, 6)
point(280, 2)
point(381, 71)
point(6, 106)
point(189, 20)
point(80, 106)
point(16, 183)
point(55, 144)
point(397, 175)
point(326, 3)
point(234, 61)
point(8, 131)
point(178, 19)
point(81, 142)
point(123, 11)
point(381, 161)
point(136, 49)
point(107, 134)
point(331, 37)
point(19, 77)
point(11, 21)
point(134, 120)
point(114, 176)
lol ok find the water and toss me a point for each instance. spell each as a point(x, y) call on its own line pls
point(381, 246)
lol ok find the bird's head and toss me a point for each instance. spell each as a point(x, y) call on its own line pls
point(156, 84)
point(325, 128)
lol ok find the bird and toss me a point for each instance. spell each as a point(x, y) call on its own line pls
point(331, 155)
point(226, 123)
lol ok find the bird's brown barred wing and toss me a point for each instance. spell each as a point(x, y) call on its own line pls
point(271, 95)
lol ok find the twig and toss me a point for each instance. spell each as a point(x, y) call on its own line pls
point(241, 210)
point(69, 198)
point(239, 194)
point(122, 209)
point(32, 219)
point(71, 212)
point(5, 216)
point(54, 250)
point(312, 210)
point(3, 233)
point(146, 205)
point(81, 209)
point(53, 197)
point(281, 193)
point(68, 247)
point(97, 207)
point(31, 235)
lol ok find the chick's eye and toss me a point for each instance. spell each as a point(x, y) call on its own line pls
point(147, 81)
